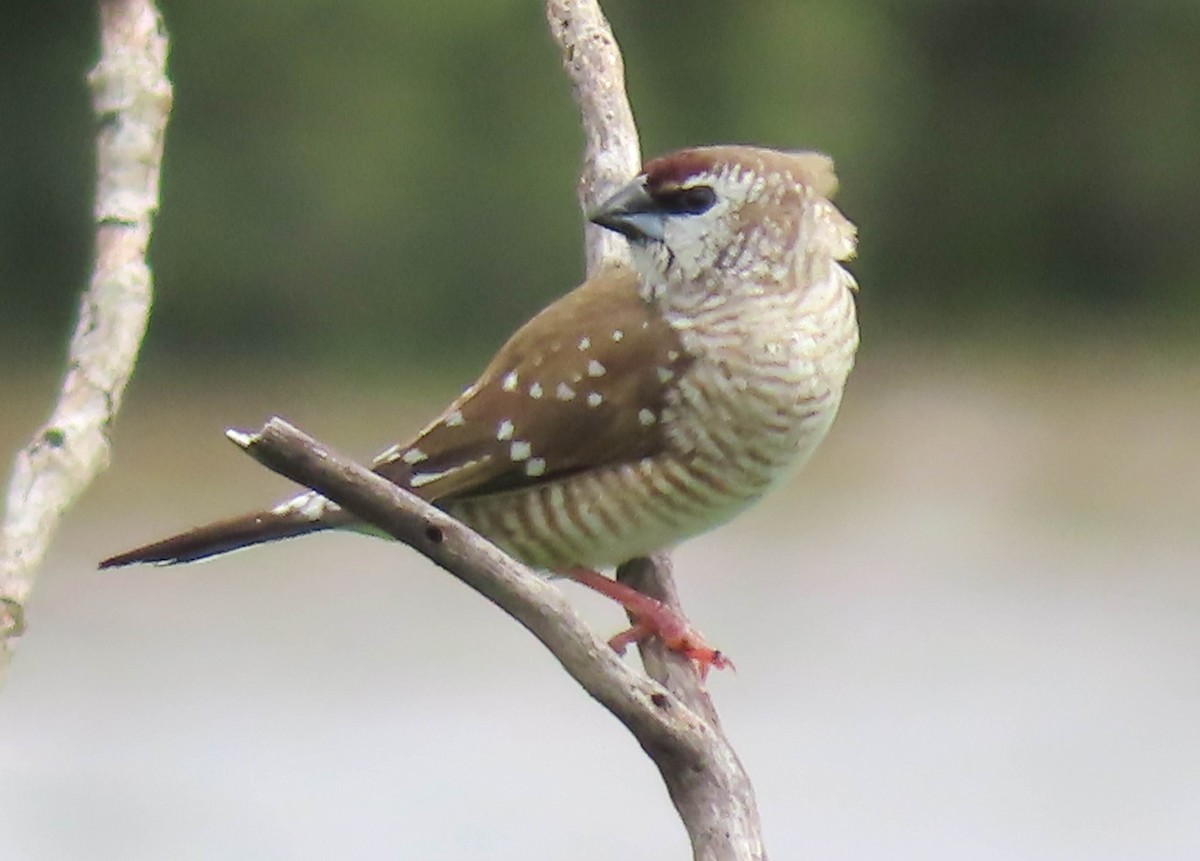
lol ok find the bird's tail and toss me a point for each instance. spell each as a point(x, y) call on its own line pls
point(230, 534)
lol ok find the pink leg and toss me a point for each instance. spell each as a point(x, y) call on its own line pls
point(651, 618)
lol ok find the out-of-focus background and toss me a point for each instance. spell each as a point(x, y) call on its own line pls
point(970, 629)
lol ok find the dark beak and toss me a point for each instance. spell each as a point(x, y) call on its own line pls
point(631, 212)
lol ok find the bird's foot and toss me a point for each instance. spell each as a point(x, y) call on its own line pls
point(676, 633)
point(652, 618)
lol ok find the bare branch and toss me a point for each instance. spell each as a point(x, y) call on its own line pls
point(716, 804)
point(611, 155)
point(131, 97)
point(657, 718)
point(702, 773)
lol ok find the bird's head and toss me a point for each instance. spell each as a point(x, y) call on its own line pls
point(714, 218)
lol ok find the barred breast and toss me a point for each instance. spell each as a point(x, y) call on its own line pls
point(763, 391)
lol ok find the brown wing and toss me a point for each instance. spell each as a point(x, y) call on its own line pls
point(581, 385)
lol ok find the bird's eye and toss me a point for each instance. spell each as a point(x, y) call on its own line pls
point(692, 200)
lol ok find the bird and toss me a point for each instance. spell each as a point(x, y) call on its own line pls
point(653, 403)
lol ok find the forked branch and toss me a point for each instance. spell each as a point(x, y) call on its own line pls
point(706, 782)
point(719, 811)
point(669, 713)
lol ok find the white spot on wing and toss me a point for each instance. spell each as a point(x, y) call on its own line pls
point(665, 375)
point(389, 454)
point(520, 450)
point(595, 369)
point(534, 467)
point(421, 479)
point(414, 455)
point(454, 419)
point(509, 383)
point(646, 417)
point(535, 391)
point(308, 505)
point(564, 392)
point(504, 430)
point(594, 399)
point(584, 343)
point(617, 335)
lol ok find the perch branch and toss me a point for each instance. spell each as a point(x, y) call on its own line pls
point(131, 97)
point(702, 773)
point(658, 720)
point(717, 806)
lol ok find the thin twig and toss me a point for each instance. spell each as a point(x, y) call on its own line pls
point(651, 713)
point(701, 770)
point(716, 804)
point(611, 155)
point(131, 98)
point(703, 775)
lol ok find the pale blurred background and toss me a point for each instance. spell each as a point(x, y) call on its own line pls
point(970, 629)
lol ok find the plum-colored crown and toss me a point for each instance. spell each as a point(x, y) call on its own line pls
point(808, 168)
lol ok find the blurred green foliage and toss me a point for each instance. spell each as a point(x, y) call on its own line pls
point(386, 182)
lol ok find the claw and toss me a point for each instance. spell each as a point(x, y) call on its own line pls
point(634, 634)
point(689, 643)
point(652, 618)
